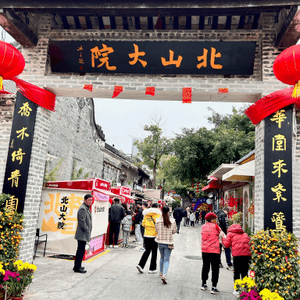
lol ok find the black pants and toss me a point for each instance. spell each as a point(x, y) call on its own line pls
point(79, 254)
point(143, 232)
point(240, 266)
point(227, 254)
point(192, 223)
point(114, 231)
point(151, 247)
point(210, 259)
point(178, 225)
point(187, 221)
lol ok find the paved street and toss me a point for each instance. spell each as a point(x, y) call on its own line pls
point(114, 275)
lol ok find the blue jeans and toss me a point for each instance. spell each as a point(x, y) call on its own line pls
point(165, 254)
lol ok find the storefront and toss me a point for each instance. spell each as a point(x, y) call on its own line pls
point(58, 214)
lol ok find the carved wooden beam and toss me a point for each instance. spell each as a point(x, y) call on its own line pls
point(17, 28)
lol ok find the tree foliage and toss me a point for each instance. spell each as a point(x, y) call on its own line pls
point(153, 147)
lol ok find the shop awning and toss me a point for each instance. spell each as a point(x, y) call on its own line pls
point(221, 170)
point(243, 172)
point(213, 185)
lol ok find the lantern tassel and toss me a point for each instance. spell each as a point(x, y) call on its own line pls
point(296, 91)
point(1, 83)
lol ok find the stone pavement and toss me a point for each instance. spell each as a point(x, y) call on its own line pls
point(114, 276)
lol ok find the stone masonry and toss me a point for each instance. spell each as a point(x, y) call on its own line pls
point(37, 71)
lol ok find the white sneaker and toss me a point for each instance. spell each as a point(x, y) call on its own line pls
point(116, 246)
point(142, 249)
point(236, 293)
point(152, 271)
point(110, 246)
point(139, 268)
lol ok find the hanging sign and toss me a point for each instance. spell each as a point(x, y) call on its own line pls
point(18, 159)
point(278, 171)
point(159, 57)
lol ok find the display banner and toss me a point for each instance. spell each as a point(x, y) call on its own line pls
point(278, 171)
point(18, 159)
point(155, 57)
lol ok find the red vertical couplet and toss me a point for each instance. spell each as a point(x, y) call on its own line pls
point(117, 91)
point(186, 95)
point(150, 91)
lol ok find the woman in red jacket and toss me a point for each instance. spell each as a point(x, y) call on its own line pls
point(210, 251)
point(239, 241)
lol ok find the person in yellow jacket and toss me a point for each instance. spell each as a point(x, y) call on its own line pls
point(150, 216)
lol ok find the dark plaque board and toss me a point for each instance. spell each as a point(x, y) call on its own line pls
point(18, 159)
point(231, 58)
point(278, 213)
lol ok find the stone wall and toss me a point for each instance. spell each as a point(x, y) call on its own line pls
point(259, 176)
point(75, 141)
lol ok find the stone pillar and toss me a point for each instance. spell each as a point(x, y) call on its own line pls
point(259, 176)
point(35, 183)
point(296, 176)
point(7, 106)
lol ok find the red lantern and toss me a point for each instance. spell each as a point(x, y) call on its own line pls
point(12, 62)
point(286, 68)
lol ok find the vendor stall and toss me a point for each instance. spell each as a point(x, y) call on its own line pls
point(58, 214)
point(124, 193)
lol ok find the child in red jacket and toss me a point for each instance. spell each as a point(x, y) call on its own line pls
point(239, 241)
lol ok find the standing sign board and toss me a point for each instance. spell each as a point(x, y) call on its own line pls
point(278, 171)
point(18, 159)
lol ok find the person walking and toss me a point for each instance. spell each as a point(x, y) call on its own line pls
point(137, 222)
point(150, 216)
point(239, 241)
point(223, 223)
point(197, 215)
point(165, 230)
point(210, 246)
point(126, 222)
point(203, 214)
point(116, 214)
point(184, 215)
point(178, 215)
point(83, 231)
point(192, 219)
point(188, 216)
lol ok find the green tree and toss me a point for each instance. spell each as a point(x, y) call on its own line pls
point(153, 147)
point(193, 148)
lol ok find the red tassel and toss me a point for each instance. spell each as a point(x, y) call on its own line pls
point(36, 94)
point(270, 104)
point(117, 91)
point(88, 87)
point(150, 91)
point(158, 24)
point(186, 95)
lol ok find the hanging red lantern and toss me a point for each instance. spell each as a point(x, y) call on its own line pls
point(286, 68)
point(12, 62)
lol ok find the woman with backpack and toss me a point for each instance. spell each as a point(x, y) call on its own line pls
point(150, 216)
point(165, 230)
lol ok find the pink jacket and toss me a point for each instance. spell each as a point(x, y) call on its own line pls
point(210, 238)
point(238, 240)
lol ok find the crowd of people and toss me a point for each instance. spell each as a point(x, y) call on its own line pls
point(154, 228)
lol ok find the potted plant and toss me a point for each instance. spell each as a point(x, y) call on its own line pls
point(14, 282)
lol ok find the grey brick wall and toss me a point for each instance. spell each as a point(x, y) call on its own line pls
point(6, 117)
point(259, 176)
point(74, 137)
point(35, 183)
